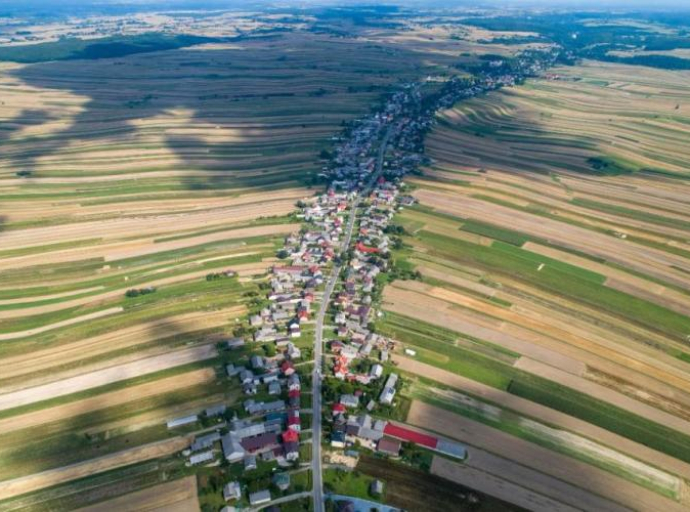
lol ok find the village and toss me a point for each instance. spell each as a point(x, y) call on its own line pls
point(344, 247)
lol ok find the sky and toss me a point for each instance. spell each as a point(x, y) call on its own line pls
point(125, 5)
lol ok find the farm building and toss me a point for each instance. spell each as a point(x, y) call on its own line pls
point(200, 458)
point(180, 422)
point(389, 446)
point(389, 390)
point(259, 497)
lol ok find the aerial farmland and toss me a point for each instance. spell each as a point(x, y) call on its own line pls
point(344, 258)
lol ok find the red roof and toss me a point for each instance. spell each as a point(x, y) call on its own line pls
point(363, 248)
point(339, 408)
point(410, 435)
point(293, 420)
point(290, 436)
point(293, 393)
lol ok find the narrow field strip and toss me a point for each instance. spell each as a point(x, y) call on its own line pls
point(103, 401)
point(106, 376)
point(57, 325)
point(11, 488)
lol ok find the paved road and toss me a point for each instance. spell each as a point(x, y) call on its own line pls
point(317, 468)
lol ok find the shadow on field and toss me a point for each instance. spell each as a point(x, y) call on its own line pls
point(253, 114)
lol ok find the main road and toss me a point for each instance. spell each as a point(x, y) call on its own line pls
point(317, 467)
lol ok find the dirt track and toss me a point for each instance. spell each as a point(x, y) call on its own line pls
point(176, 496)
point(522, 453)
point(11, 488)
point(546, 415)
point(106, 376)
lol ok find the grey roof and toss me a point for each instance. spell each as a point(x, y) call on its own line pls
point(256, 498)
point(178, 422)
point(202, 457)
point(203, 442)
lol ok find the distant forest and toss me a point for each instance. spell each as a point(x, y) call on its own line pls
point(108, 47)
point(595, 36)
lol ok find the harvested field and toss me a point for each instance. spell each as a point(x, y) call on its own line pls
point(106, 376)
point(588, 480)
point(11, 488)
point(177, 496)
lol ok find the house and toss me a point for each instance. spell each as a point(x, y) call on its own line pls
point(294, 398)
point(259, 497)
point(215, 410)
point(200, 458)
point(233, 370)
point(253, 407)
point(291, 445)
point(376, 371)
point(205, 442)
point(389, 446)
point(250, 463)
point(232, 449)
point(389, 390)
point(339, 409)
point(246, 377)
point(294, 382)
point(268, 378)
point(288, 368)
point(265, 441)
point(376, 488)
point(338, 439)
point(232, 491)
point(293, 420)
point(349, 401)
point(293, 352)
point(274, 388)
point(256, 321)
point(257, 362)
point(281, 481)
